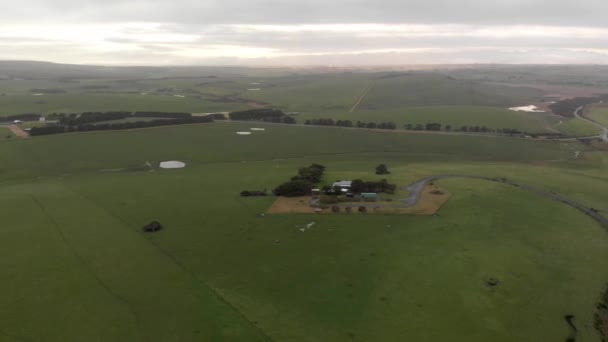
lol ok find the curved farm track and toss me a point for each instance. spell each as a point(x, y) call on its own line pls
point(416, 188)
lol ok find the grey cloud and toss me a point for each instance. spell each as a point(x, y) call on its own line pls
point(545, 12)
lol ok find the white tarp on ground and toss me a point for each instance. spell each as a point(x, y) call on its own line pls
point(531, 109)
point(172, 164)
point(243, 133)
point(258, 129)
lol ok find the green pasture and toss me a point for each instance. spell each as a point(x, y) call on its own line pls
point(74, 103)
point(81, 269)
point(576, 127)
point(599, 114)
point(318, 93)
point(437, 89)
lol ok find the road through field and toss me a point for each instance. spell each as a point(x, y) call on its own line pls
point(416, 188)
point(604, 130)
point(361, 97)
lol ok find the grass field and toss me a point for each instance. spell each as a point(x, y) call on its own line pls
point(599, 114)
point(437, 89)
point(216, 272)
point(5, 132)
point(116, 102)
point(456, 116)
point(576, 127)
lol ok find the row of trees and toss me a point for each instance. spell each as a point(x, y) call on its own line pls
point(302, 183)
point(434, 126)
point(116, 125)
point(349, 123)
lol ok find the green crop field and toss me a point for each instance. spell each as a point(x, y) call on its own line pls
point(436, 89)
point(81, 269)
point(456, 116)
point(75, 103)
point(577, 127)
point(311, 93)
point(5, 132)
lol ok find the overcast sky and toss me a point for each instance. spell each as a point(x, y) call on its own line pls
point(305, 32)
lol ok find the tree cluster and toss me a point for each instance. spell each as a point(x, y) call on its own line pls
point(302, 183)
point(382, 170)
point(360, 186)
point(349, 123)
point(567, 107)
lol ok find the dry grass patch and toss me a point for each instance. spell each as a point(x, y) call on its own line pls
point(292, 205)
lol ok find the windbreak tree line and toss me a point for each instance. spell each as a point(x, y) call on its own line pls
point(349, 123)
point(117, 125)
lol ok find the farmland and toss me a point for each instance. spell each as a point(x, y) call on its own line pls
point(497, 263)
point(362, 271)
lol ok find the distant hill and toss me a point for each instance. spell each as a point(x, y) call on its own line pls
point(32, 70)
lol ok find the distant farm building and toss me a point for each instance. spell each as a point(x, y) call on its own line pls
point(369, 196)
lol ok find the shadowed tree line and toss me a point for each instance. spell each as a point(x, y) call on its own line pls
point(349, 123)
point(57, 129)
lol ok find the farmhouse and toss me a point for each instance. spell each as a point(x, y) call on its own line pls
point(345, 184)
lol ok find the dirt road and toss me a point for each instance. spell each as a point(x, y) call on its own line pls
point(18, 131)
point(361, 97)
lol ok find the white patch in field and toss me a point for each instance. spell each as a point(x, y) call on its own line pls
point(179, 95)
point(254, 89)
point(143, 93)
point(243, 133)
point(38, 94)
point(258, 129)
point(530, 109)
point(172, 164)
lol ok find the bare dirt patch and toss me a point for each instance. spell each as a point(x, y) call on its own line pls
point(292, 205)
point(20, 133)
